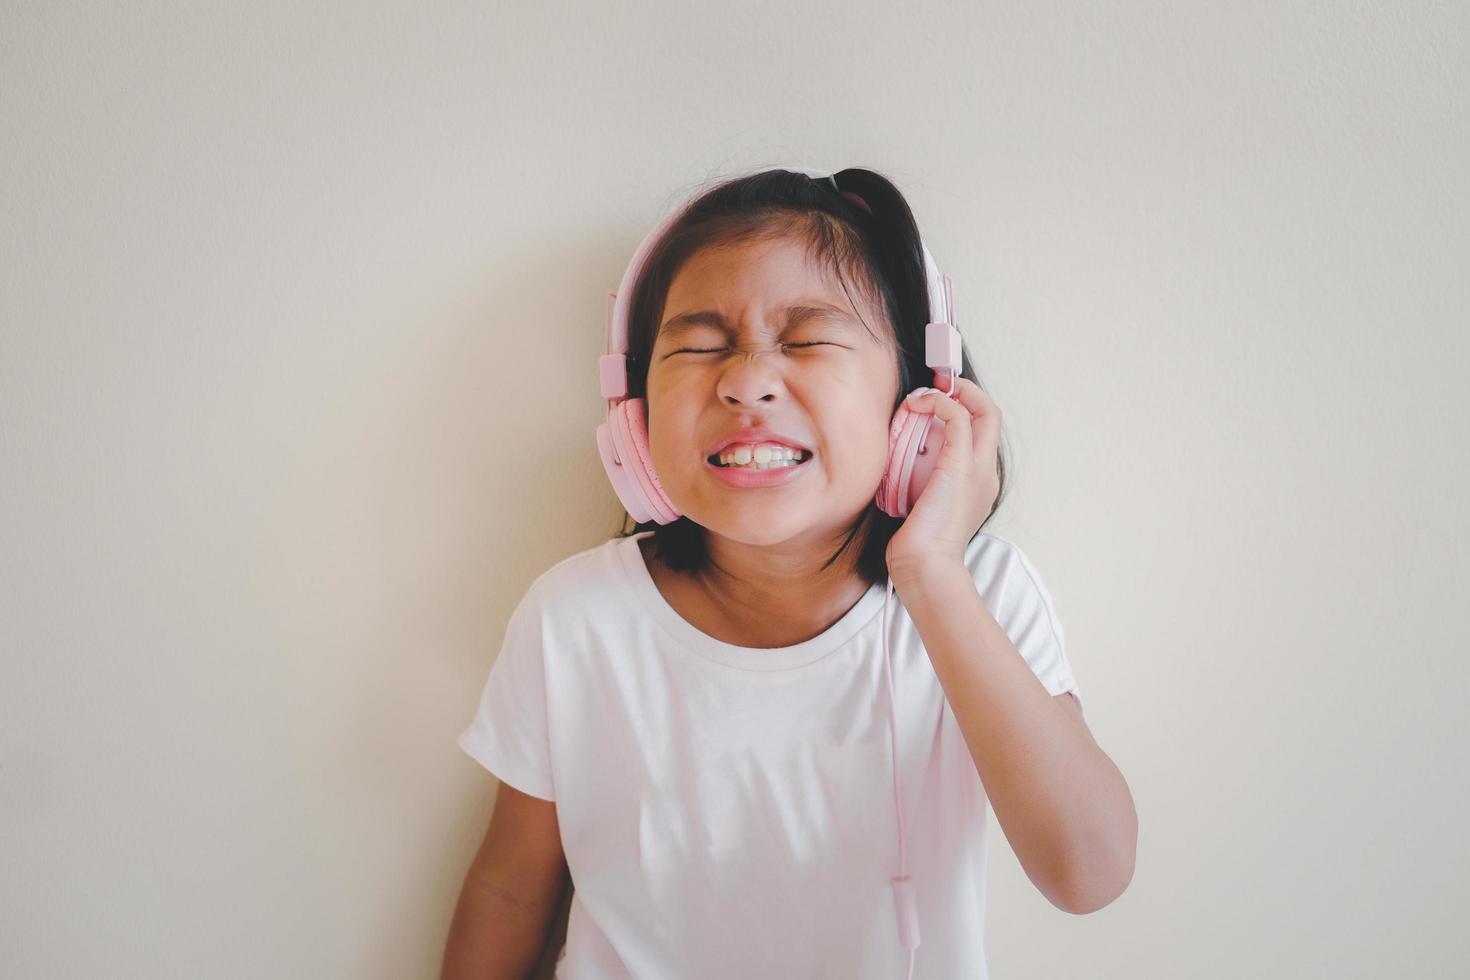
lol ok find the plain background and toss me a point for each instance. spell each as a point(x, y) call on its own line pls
point(301, 306)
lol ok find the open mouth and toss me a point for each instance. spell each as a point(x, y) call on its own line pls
point(787, 460)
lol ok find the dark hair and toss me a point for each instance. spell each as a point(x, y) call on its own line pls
point(880, 250)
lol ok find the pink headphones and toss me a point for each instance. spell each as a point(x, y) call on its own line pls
point(914, 441)
point(914, 438)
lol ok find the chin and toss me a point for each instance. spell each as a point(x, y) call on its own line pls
point(761, 530)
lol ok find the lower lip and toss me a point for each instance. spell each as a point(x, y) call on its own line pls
point(748, 479)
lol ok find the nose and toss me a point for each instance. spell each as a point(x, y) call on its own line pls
point(747, 379)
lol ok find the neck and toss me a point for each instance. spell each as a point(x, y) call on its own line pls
point(784, 585)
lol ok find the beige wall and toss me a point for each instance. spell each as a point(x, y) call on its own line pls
point(299, 313)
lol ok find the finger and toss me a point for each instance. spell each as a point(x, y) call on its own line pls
point(985, 417)
point(959, 438)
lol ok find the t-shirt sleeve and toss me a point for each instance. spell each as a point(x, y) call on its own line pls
point(1025, 610)
point(508, 734)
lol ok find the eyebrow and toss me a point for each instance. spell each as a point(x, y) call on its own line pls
point(712, 318)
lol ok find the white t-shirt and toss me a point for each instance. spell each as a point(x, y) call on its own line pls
point(727, 812)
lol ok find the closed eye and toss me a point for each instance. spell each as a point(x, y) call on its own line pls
point(716, 350)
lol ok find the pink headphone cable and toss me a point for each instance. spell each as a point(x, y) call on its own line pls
point(903, 888)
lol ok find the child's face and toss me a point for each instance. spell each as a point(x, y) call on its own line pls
point(835, 398)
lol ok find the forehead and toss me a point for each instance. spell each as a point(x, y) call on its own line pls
point(766, 275)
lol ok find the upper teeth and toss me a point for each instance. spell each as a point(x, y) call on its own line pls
point(765, 452)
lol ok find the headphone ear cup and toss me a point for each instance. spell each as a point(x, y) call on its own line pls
point(624, 484)
point(887, 495)
point(914, 440)
point(923, 456)
point(631, 428)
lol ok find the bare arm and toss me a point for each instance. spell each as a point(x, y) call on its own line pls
point(1064, 806)
point(510, 893)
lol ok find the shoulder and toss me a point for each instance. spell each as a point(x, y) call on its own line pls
point(579, 580)
point(1005, 575)
point(989, 556)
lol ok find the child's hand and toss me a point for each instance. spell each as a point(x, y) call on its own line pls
point(963, 487)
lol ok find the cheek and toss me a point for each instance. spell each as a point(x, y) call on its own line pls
point(672, 443)
point(857, 442)
point(674, 391)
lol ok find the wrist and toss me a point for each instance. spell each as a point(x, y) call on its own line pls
point(913, 575)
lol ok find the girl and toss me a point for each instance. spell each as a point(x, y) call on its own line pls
point(701, 721)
